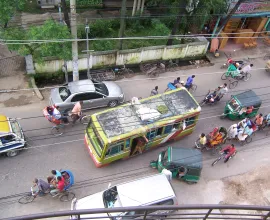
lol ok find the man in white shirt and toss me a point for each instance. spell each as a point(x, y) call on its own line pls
point(247, 68)
point(57, 115)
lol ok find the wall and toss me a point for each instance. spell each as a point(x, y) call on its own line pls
point(135, 56)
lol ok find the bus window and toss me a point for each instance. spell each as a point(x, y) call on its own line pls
point(127, 143)
point(176, 125)
point(151, 134)
point(168, 129)
point(159, 131)
point(115, 149)
point(190, 121)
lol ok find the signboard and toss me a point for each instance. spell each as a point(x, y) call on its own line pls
point(251, 6)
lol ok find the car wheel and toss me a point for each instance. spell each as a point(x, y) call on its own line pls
point(113, 103)
point(12, 153)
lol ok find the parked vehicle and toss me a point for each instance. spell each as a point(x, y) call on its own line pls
point(94, 94)
point(64, 196)
point(147, 191)
point(184, 163)
point(12, 139)
point(134, 128)
point(235, 109)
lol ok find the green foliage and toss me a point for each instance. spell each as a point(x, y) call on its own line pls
point(50, 30)
point(104, 28)
point(8, 9)
point(86, 3)
point(49, 78)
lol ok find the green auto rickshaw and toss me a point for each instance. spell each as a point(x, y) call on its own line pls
point(243, 105)
point(184, 163)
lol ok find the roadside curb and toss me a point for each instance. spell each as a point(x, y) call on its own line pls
point(36, 90)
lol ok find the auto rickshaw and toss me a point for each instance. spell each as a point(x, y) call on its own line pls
point(184, 163)
point(243, 105)
point(267, 67)
point(11, 136)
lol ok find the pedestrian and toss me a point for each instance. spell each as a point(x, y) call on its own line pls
point(76, 111)
point(154, 91)
point(189, 82)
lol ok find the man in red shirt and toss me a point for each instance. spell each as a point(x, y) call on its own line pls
point(229, 151)
point(59, 186)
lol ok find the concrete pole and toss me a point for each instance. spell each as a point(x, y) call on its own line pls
point(122, 23)
point(60, 13)
point(134, 7)
point(87, 48)
point(74, 43)
point(215, 28)
point(138, 5)
point(142, 6)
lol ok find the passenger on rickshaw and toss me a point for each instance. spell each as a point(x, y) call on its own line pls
point(244, 133)
point(233, 70)
point(233, 131)
point(259, 120)
point(215, 137)
point(59, 187)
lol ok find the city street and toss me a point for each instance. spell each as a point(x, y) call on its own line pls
point(46, 152)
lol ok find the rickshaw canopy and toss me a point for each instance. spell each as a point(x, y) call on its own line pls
point(186, 157)
point(248, 98)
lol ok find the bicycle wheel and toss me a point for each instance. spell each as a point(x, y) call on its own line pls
point(67, 196)
point(233, 84)
point(216, 161)
point(57, 130)
point(193, 88)
point(247, 76)
point(224, 76)
point(26, 199)
point(202, 103)
point(85, 119)
point(248, 139)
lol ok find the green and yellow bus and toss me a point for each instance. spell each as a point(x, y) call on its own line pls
point(133, 128)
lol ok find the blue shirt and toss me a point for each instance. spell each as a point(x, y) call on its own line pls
point(189, 81)
point(58, 173)
point(176, 82)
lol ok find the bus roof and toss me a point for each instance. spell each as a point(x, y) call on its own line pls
point(127, 118)
point(4, 125)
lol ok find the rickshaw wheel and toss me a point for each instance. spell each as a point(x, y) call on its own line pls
point(57, 130)
point(12, 153)
point(67, 196)
point(224, 77)
point(26, 199)
point(233, 84)
point(248, 139)
point(247, 77)
point(190, 182)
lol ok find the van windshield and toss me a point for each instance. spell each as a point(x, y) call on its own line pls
point(233, 104)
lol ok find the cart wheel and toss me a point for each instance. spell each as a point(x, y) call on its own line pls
point(67, 196)
point(85, 119)
point(26, 199)
point(233, 84)
point(248, 139)
point(247, 77)
point(224, 76)
point(57, 130)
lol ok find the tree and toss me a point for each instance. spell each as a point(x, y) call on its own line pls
point(192, 14)
point(8, 9)
point(50, 30)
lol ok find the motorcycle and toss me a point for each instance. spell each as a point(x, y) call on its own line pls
point(210, 98)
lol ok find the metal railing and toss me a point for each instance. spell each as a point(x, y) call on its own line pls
point(160, 212)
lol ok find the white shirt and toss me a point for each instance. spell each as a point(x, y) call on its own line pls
point(56, 113)
point(246, 69)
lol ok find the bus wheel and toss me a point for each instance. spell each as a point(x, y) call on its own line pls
point(12, 153)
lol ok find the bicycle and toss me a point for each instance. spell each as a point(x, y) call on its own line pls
point(64, 196)
point(192, 88)
point(171, 65)
point(123, 71)
point(222, 156)
point(58, 129)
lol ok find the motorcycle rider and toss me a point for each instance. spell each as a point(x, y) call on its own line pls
point(229, 151)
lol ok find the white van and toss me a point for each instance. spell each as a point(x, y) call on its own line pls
point(151, 190)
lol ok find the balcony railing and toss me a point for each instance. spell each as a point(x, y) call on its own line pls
point(161, 212)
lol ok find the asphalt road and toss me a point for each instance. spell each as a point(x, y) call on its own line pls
point(46, 152)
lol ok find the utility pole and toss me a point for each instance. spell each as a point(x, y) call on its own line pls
point(134, 7)
point(65, 10)
point(60, 13)
point(225, 21)
point(87, 48)
point(122, 23)
point(74, 42)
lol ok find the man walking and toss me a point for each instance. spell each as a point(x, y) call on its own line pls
point(189, 82)
point(154, 91)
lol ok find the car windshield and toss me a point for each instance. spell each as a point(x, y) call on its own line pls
point(64, 93)
point(16, 128)
point(233, 104)
point(100, 87)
